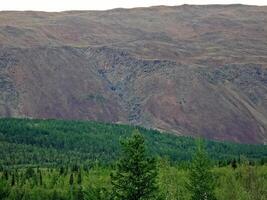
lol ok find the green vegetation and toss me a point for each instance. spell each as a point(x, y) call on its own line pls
point(56, 142)
point(135, 176)
point(230, 184)
point(201, 179)
point(53, 159)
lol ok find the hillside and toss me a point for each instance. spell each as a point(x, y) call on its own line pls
point(57, 142)
point(189, 70)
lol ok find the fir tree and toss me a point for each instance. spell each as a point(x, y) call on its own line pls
point(201, 180)
point(6, 174)
point(29, 172)
point(135, 175)
point(40, 178)
point(55, 195)
point(80, 195)
point(79, 179)
point(234, 164)
point(61, 170)
point(71, 181)
point(13, 180)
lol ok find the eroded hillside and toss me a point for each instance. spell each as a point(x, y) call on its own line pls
point(191, 70)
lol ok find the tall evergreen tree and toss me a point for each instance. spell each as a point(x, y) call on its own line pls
point(135, 175)
point(80, 195)
point(61, 170)
point(201, 179)
point(234, 164)
point(71, 180)
point(29, 172)
point(13, 180)
point(40, 178)
point(6, 174)
point(79, 179)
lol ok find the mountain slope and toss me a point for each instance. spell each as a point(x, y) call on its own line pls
point(190, 70)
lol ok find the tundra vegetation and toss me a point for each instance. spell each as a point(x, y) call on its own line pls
point(53, 159)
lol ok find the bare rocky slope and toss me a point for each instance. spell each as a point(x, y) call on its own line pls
point(190, 70)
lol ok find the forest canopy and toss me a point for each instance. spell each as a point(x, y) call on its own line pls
point(58, 142)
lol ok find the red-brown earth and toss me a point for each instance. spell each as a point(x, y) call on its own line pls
point(190, 70)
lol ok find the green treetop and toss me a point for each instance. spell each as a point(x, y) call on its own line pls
point(135, 175)
point(201, 183)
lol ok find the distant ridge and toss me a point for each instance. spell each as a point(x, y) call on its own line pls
point(189, 70)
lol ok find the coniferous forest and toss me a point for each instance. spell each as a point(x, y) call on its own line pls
point(56, 159)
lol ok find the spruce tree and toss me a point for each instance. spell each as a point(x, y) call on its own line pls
point(79, 179)
point(61, 170)
point(29, 172)
point(135, 175)
point(234, 164)
point(40, 178)
point(13, 180)
point(71, 180)
point(6, 174)
point(80, 195)
point(201, 183)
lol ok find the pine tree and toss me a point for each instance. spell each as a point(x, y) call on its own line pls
point(71, 179)
point(201, 180)
point(55, 195)
point(79, 179)
point(29, 172)
point(40, 178)
point(80, 195)
point(13, 180)
point(234, 164)
point(6, 174)
point(61, 170)
point(135, 175)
